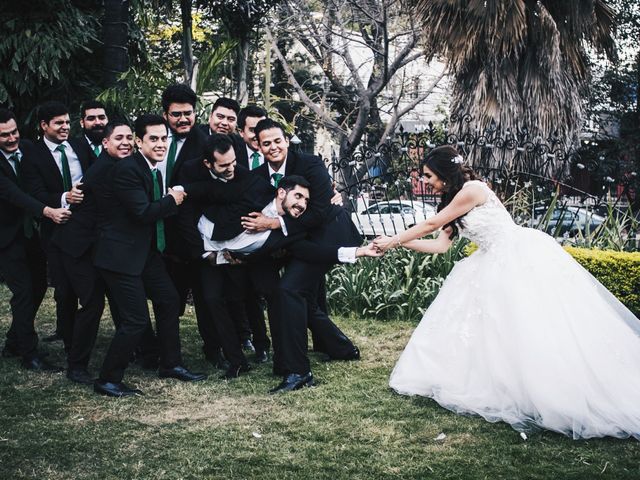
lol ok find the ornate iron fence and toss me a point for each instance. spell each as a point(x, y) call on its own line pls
point(386, 193)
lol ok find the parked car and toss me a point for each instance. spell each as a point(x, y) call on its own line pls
point(568, 220)
point(390, 217)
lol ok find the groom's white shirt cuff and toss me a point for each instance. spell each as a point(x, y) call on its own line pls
point(347, 254)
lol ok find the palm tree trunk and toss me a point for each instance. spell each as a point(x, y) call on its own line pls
point(187, 40)
point(115, 31)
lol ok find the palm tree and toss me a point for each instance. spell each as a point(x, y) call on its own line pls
point(519, 62)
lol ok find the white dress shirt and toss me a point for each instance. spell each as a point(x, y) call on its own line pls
point(12, 162)
point(72, 159)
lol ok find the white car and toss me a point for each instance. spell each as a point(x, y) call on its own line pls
point(388, 217)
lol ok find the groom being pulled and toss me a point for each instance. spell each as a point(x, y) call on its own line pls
point(226, 192)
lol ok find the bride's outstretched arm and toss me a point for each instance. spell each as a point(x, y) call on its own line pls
point(466, 199)
point(437, 245)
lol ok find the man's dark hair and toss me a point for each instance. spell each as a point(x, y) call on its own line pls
point(90, 104)
point(178, 93)
point(268, 124)
point(290, 182)
point(111, 126)
point(226, 102)
point(6, 115)
point(51, 109)
point(147, 120)
point(217, 143)
point(250, 111)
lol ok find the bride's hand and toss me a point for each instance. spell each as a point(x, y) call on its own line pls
point(369, 250)
point(383, 243)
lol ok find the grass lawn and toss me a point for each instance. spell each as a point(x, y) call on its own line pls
point(351, 426)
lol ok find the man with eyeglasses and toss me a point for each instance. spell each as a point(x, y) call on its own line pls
point(184, 143)
point(93, 119)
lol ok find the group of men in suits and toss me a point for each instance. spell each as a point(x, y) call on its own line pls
point(237, 219)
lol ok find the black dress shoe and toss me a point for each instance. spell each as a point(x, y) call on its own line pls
point(111, 389)
point(56, 337)
point(80, 375)
point(234, 371)
point(247, 346)
point(352, 355)
point(294, 381)
point(39, 364)
point(262, 356)
point(181, 373)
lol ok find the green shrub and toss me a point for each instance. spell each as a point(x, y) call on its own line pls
point(618, 271)
point(400, 285)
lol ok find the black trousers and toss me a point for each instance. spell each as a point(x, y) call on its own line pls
point(86, 284)
point(63, 294)
point(186, 275)
point(295, 308)
point(245, 308)
point(215, 282)
point(24, 268)
point(130, 293)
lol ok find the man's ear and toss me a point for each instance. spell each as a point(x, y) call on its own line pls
point(281, 193)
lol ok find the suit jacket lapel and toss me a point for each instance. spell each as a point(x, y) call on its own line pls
point(6, 167)
point(49, 163)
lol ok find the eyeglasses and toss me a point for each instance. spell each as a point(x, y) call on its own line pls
point(91, 118)
point(186, 113)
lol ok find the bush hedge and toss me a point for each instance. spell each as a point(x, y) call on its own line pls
point(618, 271)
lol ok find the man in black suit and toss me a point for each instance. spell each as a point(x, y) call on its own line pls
point(186, 142)
point(223, 286)
point(128, 254)
point(223, 118)
point(248, 152)
point(295, 298)
point(75, 241)
point(22, 261)
point(53, 175)
point(93, 119)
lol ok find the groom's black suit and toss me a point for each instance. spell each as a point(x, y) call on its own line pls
point(295, 304)
point(132, 267)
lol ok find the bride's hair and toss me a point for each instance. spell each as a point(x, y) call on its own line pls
point(448, 165)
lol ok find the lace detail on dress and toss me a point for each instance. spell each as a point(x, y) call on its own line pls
point(486, 225)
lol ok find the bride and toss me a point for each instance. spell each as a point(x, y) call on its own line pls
point(519, 332)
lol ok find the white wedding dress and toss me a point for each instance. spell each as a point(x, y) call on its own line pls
point(521, 333)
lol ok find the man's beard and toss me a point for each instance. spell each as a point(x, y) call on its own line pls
point(182, 135)
point(95, 135)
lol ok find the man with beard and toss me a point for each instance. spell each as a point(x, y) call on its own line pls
point(53, 175)
point(22, 261)
point(295, 298)
point(128, 254)
point(93, 119)
point(185, 143)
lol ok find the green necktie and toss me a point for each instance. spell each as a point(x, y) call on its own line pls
point(276, 178)
point(96, 150)
point(171, 159)
point(255, 160)
point(157, 188)
point(27, 220)
point(66, 173)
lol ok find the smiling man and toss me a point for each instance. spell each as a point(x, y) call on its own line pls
point(53, 175)
point(223, 118)
point(128, 254)
point(22, 261)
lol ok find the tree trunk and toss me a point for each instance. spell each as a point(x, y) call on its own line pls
point(115, 32)
point(187, 40)
point(242, 95)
